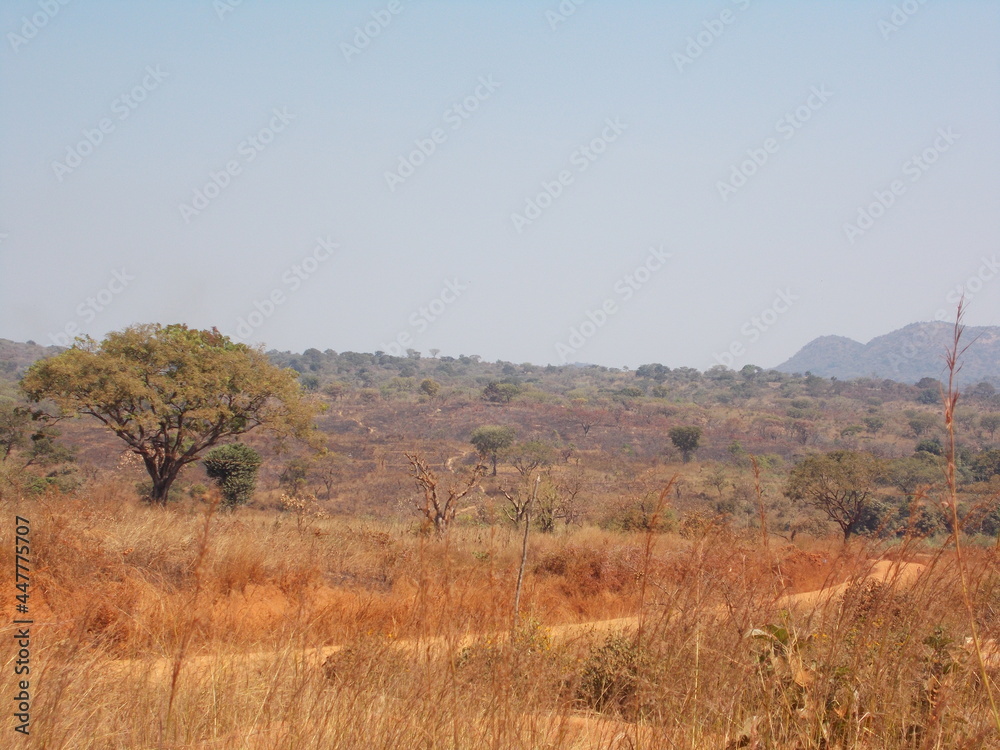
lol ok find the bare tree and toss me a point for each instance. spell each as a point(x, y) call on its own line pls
point(517, 504)
point(526, 457)
point(439, 504)
point(329, 469)
point(568, 489)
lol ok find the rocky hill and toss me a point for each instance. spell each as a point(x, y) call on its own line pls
point(907, 355)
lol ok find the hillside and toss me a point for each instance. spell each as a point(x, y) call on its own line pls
point(608, 428)
point(15, 358)
point(906, 355)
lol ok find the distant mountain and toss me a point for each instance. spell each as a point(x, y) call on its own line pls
point(907, 355)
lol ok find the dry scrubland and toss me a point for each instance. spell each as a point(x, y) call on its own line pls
point(184, 627)
point(714, 609)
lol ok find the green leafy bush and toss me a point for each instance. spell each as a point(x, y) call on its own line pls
point(234, 468)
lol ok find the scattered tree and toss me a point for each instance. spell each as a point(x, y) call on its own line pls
point(295, 476)
point(841, 484)
point(490, 440)
point(329, 469)
point(335, 389)
point(717, 479)
point(439, 505)
point(586, 419)
point(921, 422)
point(14, 423)
point(430, 387)
point(686, 440)
point(28, 443)
point(873, 424)
point(990, 423)
point(930, 445)
point(500, 393)
point(170, 393)
point(986, 465)
point(655, 372)
point(920, 470)
point(526, 457)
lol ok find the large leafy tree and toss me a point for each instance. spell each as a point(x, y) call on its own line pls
point(841, 484)
point(171, 392)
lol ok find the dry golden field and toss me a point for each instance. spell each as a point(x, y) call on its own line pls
point(191, 628)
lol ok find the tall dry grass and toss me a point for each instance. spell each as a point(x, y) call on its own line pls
point(185, 628)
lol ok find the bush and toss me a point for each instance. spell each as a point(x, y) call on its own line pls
point(612, 676)
point(638, 515)
point(234, 469)
point(931, 445)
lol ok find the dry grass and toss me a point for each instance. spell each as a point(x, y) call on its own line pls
point(284, 633)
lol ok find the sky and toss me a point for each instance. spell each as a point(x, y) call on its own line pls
point(690, 183)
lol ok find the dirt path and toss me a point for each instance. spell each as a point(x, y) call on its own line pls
point(883, 571)
point(576, 730)
point(900, 573)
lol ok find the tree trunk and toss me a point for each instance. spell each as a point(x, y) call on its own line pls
point(494, 464)
point(161, 489)
point(163, 477)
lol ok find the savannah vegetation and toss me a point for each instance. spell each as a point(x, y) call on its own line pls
point(722, 559)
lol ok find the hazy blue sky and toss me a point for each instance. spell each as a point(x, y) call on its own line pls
point(667, 179)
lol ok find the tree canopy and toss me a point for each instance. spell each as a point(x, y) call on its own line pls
point(841, 484)
point(500, 393)
point(530, 455)
point(171, 392)
point(489, 440)
point(686, 440)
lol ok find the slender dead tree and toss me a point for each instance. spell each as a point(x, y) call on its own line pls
point(526, 514)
